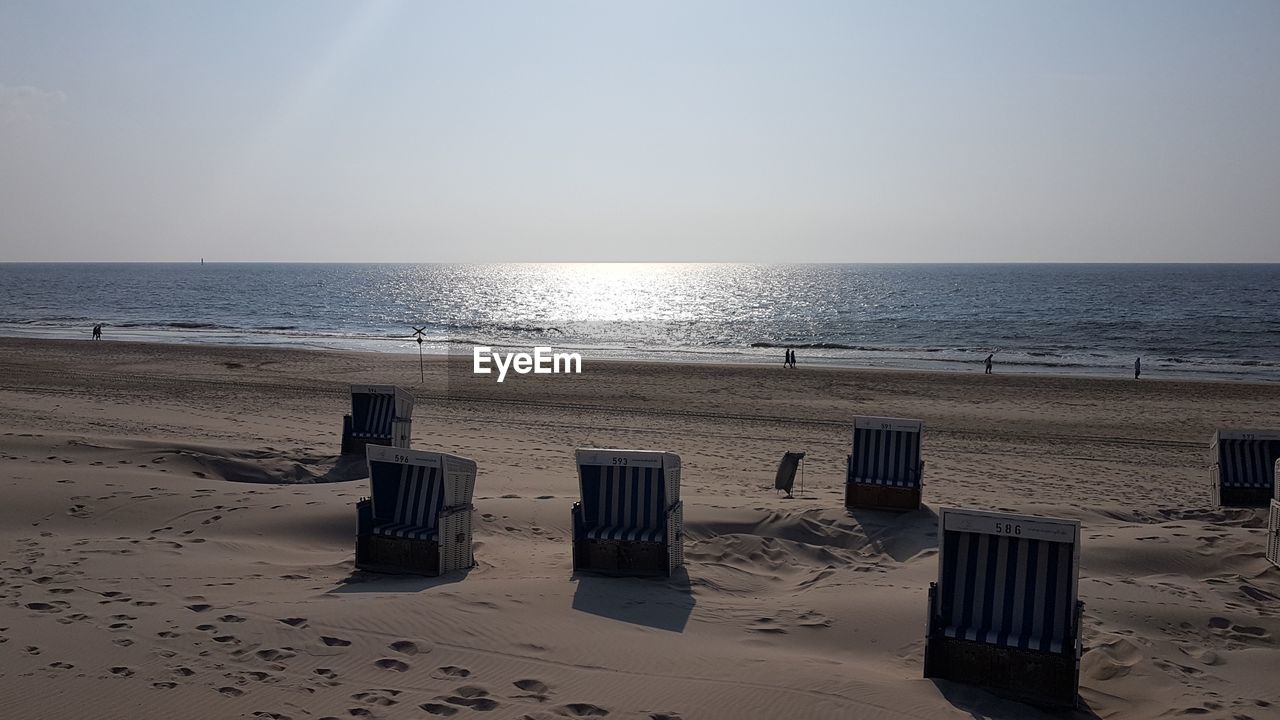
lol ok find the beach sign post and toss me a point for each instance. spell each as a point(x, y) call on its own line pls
point(417, 332)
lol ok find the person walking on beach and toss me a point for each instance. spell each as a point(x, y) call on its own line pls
point(97, 331)
point(1137, 368)
point(987, 363)
point(786, 358)
point(793, 359)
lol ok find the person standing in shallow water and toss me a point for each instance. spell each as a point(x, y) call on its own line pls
point(987, 363)
point(97, 331)
point(1137, 368)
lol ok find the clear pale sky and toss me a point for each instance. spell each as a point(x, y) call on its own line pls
point(779, 131)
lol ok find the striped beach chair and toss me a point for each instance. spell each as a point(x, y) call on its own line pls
point(630, 519)
point(885, 470)
point(1273, 534)
point(380, 415)
point(417, 518)
point(1273, 524)
point(1243, 467)
point(1004, 613)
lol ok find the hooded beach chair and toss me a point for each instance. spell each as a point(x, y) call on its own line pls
point(1243, 470)
point(417, 518)
point(630, 519)
point(380, 415)
point(1004, 613)
point(1273, 534)
point(1273, 524)
point(885, 471)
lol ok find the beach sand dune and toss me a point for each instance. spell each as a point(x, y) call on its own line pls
point(179, 532)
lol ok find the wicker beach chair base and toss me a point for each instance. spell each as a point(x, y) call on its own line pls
point(615, 557)
point(881, 497)
point(379, 554)
point(1032, 676)
point(1242, 497)
point(396, 555)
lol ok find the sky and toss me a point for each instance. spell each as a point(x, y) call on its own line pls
point(1019, 131)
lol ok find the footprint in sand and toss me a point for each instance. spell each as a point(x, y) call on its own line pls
point(476, 698)
point(61, 665)
point(164, 685)
point(334, 642)
point(390, 664)
point(272, 655)
point(199, 607)
point(438, 709)
point(231, 619)
point(583, 710)
point(230, 691)
point(122, 671)
point(294, 621)
point(404, 647)
point(451, 671)
point(168, 634)
point(382, 698)
point(534, 689)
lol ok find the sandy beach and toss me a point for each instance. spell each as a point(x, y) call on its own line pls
point(179, 534)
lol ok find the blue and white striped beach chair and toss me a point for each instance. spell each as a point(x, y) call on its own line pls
point(417, 518)
point(885, 469)
point(1273, 533)
point(1243, 467)
point(1273, 524)
point(380, 415)
point(630, 519)
point(1004, 613)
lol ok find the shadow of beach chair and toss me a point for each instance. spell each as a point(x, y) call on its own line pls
point(417, 518)
point(380, 415)
point(885, 470)
point(630, 520)
point(1004, 613)
point(1243, 467)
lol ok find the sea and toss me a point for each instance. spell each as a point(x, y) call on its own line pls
point(1207, 321)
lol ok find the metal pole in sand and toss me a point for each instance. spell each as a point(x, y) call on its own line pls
point(422, 378)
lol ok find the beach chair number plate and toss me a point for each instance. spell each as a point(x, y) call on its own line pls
point(1028, 528)
point(605, 458)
